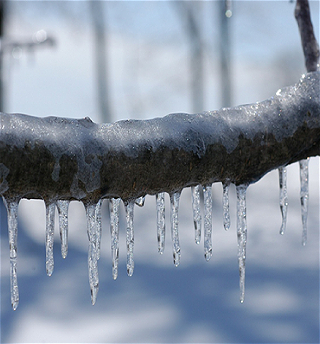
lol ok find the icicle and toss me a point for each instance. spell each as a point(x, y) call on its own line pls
point(114, 229)
point(63, 207)
point(50, 208)
point(195, 191)
point(99, 226)
point(242, 235)
point(161, 224)
point(140, 201)
point(174, 200)
point(304, 196)
point(93, 230)
point(225, 203)
point(130, 237)
point(12, 212)
point(283, 197)
point(207, 195)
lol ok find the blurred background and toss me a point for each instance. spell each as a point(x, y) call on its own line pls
point(113, 60)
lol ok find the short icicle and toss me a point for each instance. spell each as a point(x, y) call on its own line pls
point(50, 210)
point(283, 197)
point(161, 223)
point(12, 212)
point(93, 228)
point(242, 235)
point(130, 237)
point(63, 207)
point(304, 196)
point(225, 205)
point(195, 192)
point(140, 201)
point(174, 200)
point(207, 196)
point(114, 230)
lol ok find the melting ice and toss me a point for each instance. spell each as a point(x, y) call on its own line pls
point(207, 197)
point(161, 224)
point(304, 196)
point(114, 229)
point(174, 200)
point(130, 237)
point(195, 192)
point(50, 208)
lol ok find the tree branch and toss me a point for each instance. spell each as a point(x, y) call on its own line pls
point(57, 158)
point(308, 40)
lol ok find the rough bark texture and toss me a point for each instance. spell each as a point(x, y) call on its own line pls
point(58, 158)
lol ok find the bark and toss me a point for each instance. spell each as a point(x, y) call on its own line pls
point(57, 158)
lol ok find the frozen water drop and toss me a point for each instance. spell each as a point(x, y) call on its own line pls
point(174, 200)
point(114, 229)
point(242, 235)
point(195, 192)
point(161, 224)
point(140, 201)
point(63, 207)
point(304, 196)
point(130, 237)
point(12, 212)
point(225, 205)
point(283, 197)
point(207, 196)
point(50, 209)
point(93, 236)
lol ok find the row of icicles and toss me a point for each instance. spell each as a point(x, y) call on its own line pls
point(94, 227)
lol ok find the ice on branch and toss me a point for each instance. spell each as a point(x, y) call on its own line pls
point(207, 218)
point(161, 224)
point(50, 210)
point(283, 198)
point(114, 229)
point(304, 196)
point(130, 237)
point(63, 207)
point(195, 192)
point(174, 200)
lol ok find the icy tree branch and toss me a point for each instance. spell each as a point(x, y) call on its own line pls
point(56, 158)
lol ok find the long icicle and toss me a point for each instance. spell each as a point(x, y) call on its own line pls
point(12, 214)
point(50, 210)
point(225, 205)
point(195, 192)
point(114, 229)
point(207, 195)
point(161, 223)
point(98, 226)
point(283, 197)
point(304, 196)
point(242, 235)
point(174, 200)
point(130, 237)
point(93, 235)
point(63, 207)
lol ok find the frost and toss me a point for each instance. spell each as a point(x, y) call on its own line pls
point(195, 191)
point(304, 196)
point(207, 195)
point(50, 208)
point(93, 214)
point(161, 224)
point(114, 229)
point(283, 197)
point(130, 237)
point(12, 211)
point(63, 207)
point(174, 200)
point(242, 235)
point(225, 205)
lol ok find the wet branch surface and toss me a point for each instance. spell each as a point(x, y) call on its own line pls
point(57, 158)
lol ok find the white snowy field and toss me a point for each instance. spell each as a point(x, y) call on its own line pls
point(149, 77)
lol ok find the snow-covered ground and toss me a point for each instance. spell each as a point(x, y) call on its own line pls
point(197, 301)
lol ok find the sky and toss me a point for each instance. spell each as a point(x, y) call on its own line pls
point(149, 77)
